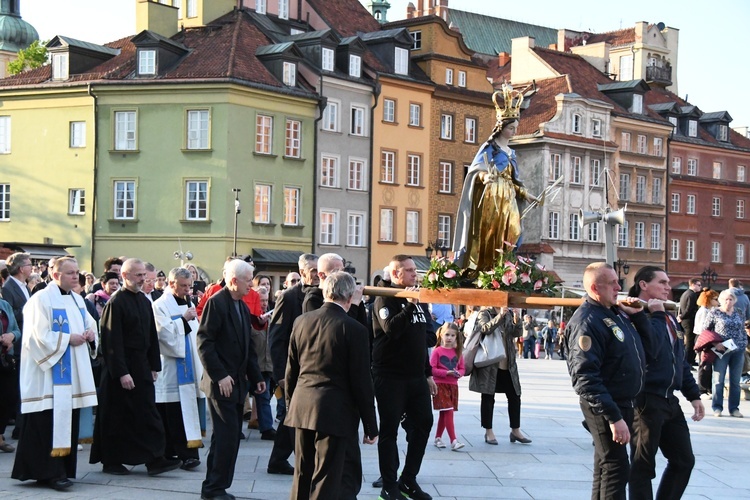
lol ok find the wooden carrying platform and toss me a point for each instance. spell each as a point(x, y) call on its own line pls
point(475, 297)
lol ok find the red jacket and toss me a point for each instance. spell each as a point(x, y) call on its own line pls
point(252, 299)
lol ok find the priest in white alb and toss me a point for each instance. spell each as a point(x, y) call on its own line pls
point(56, 380)
point(177, 389)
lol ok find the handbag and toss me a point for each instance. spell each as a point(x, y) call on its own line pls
point(472, 344)
point(491, 351)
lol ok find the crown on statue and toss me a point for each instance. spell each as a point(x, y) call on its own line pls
point(511, 102)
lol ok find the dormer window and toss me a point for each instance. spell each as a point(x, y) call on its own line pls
point(146, 62)
point(401, 61)
point(692, 128)
point(723, 133)
point(355, 66)
point(327, 59)
point(60, 66)
point(596, 127)
point(283, 9)
point(673, 121)
point(637, 104)
point(260, 6)
point(290, 74)
point(577, 123)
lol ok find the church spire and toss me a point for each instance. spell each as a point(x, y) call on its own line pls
point(379, 10)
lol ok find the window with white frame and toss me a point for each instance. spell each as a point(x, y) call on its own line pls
point(326, 59)
point(575, 231)
point(690, 250)
point(197, 129)
point(446, 127)
point(401, 61)
point(553, 226)
point(555, 167)
point(637, 104)
point(412, 226)
point(356, 174)
point(593, 231)
point(448, 76)
point(262, 204)
point(196, 200)
point(413, 170)
point(656, 191)
point(60, 66)
point(125, 200)
point(444, 231)
point(673, 121)
point(192, 8)
point(260, 6)
point(674, 249)
point(417, 37)
point(596, 127)
point(4, 134)
point(692, 166)
point(626, 68)
point(623, 235)
point(690, 205)
point(658, 146)
point(329, 171)
point(355, 229)
point(596, 172)
point(692, 128)
point(655, 236)
point(290, 74)
point(723, 133)
point(575, 170)
point(263, 134)
point(640, 235)
point(291, 206)
point(388, 167)
point(283, 9)
point(740, 253)
point(358, 121)
point(676, 165)
point(77, 134)
point(355, 66)
point(640, 189)
point(4, 202)
point(76, 201)
point(462, 78)
point(470, 130)
point(446, 177)
point(641, 145)
point(625, 139)
point(675, 207)
point(715, 251)
point(125, 130)
point(146, 62)
point(716, 206)
point(717, 170)
point(330, 120)
point(740, 173)
point(293, 139)
point(415, 115)
point(624, 186)
point(386, 224)
point(329, 224)
point(389, 110)
point(577, 120)
point(740, 209)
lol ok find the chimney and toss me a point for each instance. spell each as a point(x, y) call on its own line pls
point(156, 17)
point(410, 11)
point(503, 58)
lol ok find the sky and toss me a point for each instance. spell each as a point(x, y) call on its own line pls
point(711, 72)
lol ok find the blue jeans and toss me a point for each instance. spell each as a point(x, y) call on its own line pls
point(265, 418)
point(528, 348)
point(734, 361)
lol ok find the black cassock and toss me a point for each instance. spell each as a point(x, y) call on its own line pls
point(128, 427)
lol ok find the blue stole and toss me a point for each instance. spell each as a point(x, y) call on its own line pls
point(61, 372)
point(185, 374)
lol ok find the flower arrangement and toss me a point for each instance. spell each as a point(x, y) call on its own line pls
point(514, 273)
point(443, 273)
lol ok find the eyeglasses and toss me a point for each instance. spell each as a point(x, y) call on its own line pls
point(294, 281)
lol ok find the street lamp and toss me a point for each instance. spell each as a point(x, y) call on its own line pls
point(236, 214)
point(709, 276)
point(349, 268)
point(621, 265)
point(441, 249)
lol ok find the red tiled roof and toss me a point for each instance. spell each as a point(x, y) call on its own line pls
point(542, 106)
point(346, 17)
point(614, 38)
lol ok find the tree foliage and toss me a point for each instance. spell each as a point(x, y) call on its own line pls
point(32, 57)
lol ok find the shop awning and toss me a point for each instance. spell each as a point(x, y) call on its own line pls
point(40, 251)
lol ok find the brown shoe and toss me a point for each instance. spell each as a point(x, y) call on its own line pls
point(252, 424)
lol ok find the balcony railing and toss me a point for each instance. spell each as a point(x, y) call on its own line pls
point(659, 74)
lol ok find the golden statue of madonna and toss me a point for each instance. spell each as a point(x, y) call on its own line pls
point(488, 214)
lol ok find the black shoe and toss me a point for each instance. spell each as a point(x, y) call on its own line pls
point(392, 494)
point(190, 463)
point(412, 491)
point(378, 483)
point(223, 496)
point(115, 470)
point(162, 465)
point(241, 436)
point(283, 468)
point(268, 435)
point(57, 484)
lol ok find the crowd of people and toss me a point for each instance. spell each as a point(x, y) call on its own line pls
point(156, 356)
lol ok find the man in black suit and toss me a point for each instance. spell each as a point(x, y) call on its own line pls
point(15, 292)
point(230, 363)
point(328, 388)
point(288, 308)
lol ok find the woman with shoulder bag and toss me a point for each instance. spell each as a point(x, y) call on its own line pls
point(501, 376)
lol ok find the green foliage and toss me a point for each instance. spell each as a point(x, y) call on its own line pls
point(32, 57)
point(514, 273)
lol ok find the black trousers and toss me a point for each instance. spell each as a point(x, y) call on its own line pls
point(174, 428)
point(226, 417)
point(33, 460)
point(659, 423)
point(611, 466)
point(687, 326)
point(397, 398)
point(319, 465)
point(503, 383)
